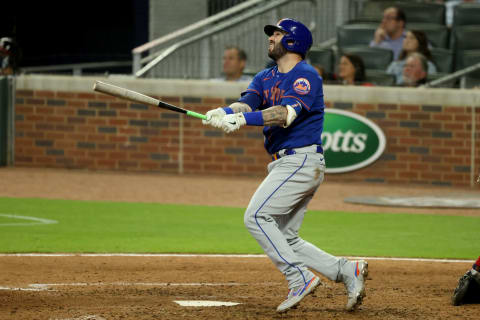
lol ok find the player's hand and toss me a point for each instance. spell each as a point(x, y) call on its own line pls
point(214, 117)
point(233, 122)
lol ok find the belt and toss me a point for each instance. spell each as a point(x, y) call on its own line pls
point(286, 152)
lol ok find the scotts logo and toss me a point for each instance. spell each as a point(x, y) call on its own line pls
point(350, 141)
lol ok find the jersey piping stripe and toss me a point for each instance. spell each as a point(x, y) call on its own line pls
point(269, 76)
point(254, 91)
point(299, 100)
point(268, 238)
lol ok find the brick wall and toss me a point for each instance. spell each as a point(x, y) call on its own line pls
point(94, 131)
point(427, 142)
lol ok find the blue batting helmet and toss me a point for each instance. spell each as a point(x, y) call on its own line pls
point(297, 36)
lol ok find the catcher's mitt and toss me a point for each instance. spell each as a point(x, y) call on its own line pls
point(467, 290)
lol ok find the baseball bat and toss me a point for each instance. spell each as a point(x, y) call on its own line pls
point(141, 98)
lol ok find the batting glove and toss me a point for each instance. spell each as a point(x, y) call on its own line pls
point(214, 117)
point(232, 122)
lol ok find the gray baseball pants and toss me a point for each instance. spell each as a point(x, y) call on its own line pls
point(275, 214)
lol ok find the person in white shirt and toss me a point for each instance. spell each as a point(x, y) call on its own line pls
point(415, 41)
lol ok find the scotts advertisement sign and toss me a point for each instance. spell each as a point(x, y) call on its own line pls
point(350, 141)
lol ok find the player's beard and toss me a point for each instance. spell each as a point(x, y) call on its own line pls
point(277, 52)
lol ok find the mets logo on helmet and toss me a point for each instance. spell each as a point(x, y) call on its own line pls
point(301, 86)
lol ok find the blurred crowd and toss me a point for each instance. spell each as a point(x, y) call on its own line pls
point(7, 58)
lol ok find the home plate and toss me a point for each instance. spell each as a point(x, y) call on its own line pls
point(205, 303)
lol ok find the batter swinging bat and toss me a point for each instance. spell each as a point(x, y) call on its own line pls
point(141, 98)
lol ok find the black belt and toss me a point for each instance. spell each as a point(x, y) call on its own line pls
point(287, 152)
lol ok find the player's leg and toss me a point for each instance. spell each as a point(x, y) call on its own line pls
point(351, 273)
point(276, 197)
point(313, 257)
point(476, 269)
point(465, 282)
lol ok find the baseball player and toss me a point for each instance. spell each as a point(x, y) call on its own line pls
point(468, 287)
point(287, 100)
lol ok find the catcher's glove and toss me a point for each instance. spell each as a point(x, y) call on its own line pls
point(467, 290)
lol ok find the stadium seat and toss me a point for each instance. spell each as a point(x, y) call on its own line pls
point(373, 58)
point(466, 14)
point(355, 34)
point(415, 12)
point(373, 10)
point(437, 34)
point(380, 78)
point(443, 59)
point(469, 58)
point(438, 75)
point(472, 82)
point(323, 57)
point(423, 12)
point(466, 37)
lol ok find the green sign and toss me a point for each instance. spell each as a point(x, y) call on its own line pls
point(350, 141)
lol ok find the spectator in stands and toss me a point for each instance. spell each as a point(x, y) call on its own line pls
point(6, 57)
point(351, 70)
point(234, 61)
point(320, 69)
point(326, 76)
point(415, 41)
point(415, 70)
point(391, 32)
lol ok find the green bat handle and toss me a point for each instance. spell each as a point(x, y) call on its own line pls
point(196, 115)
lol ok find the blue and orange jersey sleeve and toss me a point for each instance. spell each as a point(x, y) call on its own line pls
point(253, 95)
point(303, 91)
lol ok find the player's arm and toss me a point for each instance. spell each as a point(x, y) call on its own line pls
point(250, 100)
point(299, 96)
point(274, 116)
point(240, 107)
point(214, 116)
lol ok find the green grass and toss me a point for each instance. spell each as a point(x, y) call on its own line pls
point(94, 226)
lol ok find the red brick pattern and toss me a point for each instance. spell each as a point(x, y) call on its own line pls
point(425, 144)
point(95, 131)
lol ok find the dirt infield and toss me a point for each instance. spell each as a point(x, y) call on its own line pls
point(79, 287)
point(136, 288)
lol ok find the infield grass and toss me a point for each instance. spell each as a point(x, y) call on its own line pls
point(114, 227)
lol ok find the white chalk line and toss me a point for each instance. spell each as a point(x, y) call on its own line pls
point(187, 255)
point(87, 317)
point(205, 303)
point(24, 289)
point(48, 286)
point(36, 221)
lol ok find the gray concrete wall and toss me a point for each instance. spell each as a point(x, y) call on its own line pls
point(167, 16)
